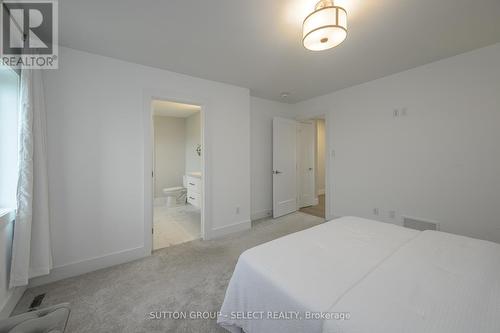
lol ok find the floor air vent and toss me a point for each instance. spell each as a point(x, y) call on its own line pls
point(417, 224)
point(37, 301)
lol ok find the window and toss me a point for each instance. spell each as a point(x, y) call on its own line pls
point(9, 105)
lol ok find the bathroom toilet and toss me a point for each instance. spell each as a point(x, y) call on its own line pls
point(176, 195)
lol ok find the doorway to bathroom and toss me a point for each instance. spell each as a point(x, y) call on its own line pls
point(177, 172)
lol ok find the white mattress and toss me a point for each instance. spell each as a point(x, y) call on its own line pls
point(387, 278)
point(308, 271)
point(437, 283)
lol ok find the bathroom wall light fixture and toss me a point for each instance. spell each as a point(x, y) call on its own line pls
point(325, 27)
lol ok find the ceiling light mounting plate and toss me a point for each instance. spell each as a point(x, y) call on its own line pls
point(323, 4)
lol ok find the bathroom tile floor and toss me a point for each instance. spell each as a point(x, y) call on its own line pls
point(175, 225)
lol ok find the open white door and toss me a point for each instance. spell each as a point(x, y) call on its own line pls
point(284, 166)
point(306, 165)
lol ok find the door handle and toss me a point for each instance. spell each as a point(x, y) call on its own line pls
point(276, 172)
point(310, 169)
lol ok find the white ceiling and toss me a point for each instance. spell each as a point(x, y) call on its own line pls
point(257, 43)
point(173, 109)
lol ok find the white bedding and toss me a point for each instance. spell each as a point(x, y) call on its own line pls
point(437, 283)
point(387, 278)
point(308, 271)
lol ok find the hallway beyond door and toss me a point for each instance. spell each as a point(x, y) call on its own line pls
point(317, 210)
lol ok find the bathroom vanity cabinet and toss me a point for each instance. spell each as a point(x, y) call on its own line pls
point(193, 184)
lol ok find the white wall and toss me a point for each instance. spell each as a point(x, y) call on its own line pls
point(95, 109)
point(170, 152)
point(262, 112)
point(439, 162)
point(320, 156)
point(193, 139)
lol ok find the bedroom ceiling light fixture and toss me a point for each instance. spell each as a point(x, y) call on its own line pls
point(325, 27)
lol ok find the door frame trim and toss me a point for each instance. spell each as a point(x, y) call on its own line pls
point(300, 160)
point(206, 206)
point(329, 159)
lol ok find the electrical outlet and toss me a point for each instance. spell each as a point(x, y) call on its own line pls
point(375, 211)
point(395, 113)
point(237, 209)
point(392, 214)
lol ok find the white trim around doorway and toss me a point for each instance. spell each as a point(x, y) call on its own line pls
point(186, 98)
point(329, 158)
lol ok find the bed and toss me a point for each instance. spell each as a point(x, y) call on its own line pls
point(358, 275)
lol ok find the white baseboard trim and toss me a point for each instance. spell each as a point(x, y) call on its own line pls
point(11, 303)
point(229, 229)
point(112, 259)
point(261, 215)
point(321, 191)
point(89, 265)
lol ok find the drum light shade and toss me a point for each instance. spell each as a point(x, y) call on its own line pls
point(324, 28)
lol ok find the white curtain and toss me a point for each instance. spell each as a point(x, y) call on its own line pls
point(31, 249)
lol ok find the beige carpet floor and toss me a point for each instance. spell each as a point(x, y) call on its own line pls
point(192, 276)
